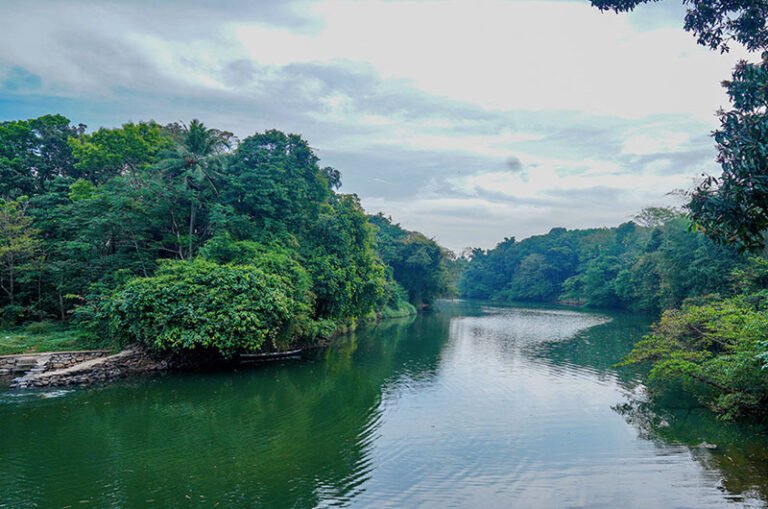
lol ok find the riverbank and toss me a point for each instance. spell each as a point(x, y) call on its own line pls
point(37, 367)
point(76, 368)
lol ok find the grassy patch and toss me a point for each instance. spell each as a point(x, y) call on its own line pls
point(44, 337)
point(402, 310)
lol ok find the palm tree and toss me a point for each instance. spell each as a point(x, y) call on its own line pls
point(195, 162)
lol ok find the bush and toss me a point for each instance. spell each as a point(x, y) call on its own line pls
point(203, 305)
point(715, 351)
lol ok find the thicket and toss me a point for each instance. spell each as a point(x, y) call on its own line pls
point(182, 237)
point(649, 265)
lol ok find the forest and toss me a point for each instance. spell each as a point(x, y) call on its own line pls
point(649, 264)
point(184, 238)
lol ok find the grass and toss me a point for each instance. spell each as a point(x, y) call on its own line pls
point(44, 337)
point(402, 310)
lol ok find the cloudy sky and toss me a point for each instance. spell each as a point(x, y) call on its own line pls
point(468, 120)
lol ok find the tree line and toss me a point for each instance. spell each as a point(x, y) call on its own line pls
point(184, 237)
point(646, 265)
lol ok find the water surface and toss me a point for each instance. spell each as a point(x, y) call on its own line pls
point(472, 406)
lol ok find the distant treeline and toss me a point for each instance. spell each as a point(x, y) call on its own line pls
point(712, 338)
point(184, 237)
point(650, 264)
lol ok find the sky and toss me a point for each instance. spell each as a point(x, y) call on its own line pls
point(469, 121)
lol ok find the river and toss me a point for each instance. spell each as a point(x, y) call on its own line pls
point(470, 406)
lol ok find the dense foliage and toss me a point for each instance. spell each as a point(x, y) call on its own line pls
point(646, 267)
point(204, 305)
point(419, 264)
point(716, 350)
point(183, 237)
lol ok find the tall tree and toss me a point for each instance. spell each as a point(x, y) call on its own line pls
point(34, 152)
point(107, 153)
point(734, 206)
point(419, 264)
point(18, 243)
point(194, 165)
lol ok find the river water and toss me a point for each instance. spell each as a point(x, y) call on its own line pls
point(471, 406)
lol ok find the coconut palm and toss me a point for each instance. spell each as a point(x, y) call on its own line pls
point(194, 164)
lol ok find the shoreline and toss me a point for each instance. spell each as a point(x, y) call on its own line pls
point(83, 368)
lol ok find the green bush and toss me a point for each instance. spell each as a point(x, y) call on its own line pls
point(272, 259)
point(203, 305)
point(715, 351)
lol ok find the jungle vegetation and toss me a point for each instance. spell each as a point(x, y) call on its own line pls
point(715, 347)
point(184, 238)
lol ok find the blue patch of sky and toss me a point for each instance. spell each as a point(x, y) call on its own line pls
point(18, 79)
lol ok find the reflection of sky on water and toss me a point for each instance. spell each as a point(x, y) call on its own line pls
point(501, 425)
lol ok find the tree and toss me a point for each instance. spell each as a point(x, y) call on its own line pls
point(107, 153)
point(18, 243)
point(715, 350)
point(277, 183)
point(715, 23)
point(418, 263)
point(33, 153)
point(194, 164)
point(734, 207)
point(652, 217)
point(348, 276)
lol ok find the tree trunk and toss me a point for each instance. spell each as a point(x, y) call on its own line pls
point(192, 211)
point(62, 312)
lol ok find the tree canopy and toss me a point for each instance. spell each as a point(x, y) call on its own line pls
point(184, 237)
point(644, 268)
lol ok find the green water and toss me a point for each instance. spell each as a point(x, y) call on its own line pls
point(470, 406)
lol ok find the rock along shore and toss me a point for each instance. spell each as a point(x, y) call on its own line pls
point(64, 369)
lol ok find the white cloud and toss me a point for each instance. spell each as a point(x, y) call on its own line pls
point(550, 179)
point(655, 143)
point(605, 115)
point(510, 55)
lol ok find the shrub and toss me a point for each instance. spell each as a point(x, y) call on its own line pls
point(714, 351)
point(203, 305)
